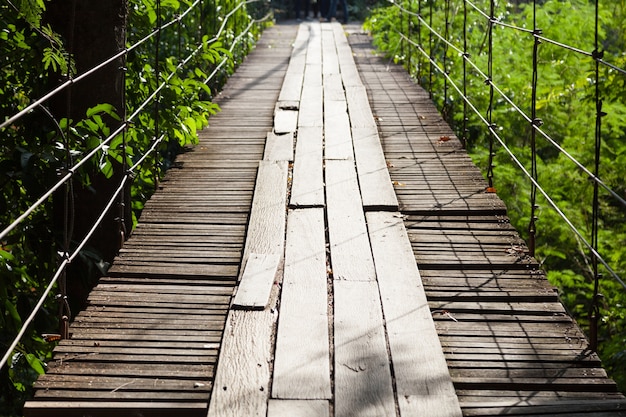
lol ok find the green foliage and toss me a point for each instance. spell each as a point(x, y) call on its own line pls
point(566, 107)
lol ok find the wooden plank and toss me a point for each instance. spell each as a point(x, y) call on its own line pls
point(285, 121)
point(376, 186)
point(257, 280)
point(359, 108)
point(307, 188)
point(241, 386)
point(298, 408)
point(333, 88)
point(311, 108)
point(330, 63)
point(337, 134)
point(279, 147)
point(419, 365)
point(108, 408)
point(350, 251)
point(363, 384)
point(266, 230)
point(301, 365)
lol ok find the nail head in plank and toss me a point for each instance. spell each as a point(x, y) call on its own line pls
point(307, 188)
point(256, 281)
point(363, 384)
point(241, 385)
point(377, 189)
point(301, 365)
point(350, 250)
point(298, 408)
point(279, 147)
point(419, 363)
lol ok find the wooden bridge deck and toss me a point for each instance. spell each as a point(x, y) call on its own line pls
point(275, 271)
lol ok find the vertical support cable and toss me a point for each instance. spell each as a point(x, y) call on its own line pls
point(125, 169)
point(430, 52)
point(68, 214)
point(445, 104)
point(402, 15)
point(595, 302)
point(465, 58)
point(535, 123)
point(419, 41)
point(489, 81)
point(157, 100)
point(409, 33)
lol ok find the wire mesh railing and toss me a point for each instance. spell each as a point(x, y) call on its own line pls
point(470, 54)
point(188, 50)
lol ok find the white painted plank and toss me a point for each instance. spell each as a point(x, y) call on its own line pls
point(377, 189)
point(363, 384)
point(338, 138)
point(278, 147)
point(418, 361)
point(257, 281)
point(359, 108)
point(301, 366)
point(350, 250)
point(241, 385)
point(429, 405)
point(298, 408)
point(266, 229)
point(307, 189)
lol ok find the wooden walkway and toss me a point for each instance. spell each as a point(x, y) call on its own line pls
point(275, 273)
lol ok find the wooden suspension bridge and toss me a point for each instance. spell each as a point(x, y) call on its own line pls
point(328, 249)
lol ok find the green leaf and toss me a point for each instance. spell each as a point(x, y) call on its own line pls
point(35, 363)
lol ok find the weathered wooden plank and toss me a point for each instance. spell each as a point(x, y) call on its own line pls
point(241, 386)
point(301, 365)
point(108, 408)
point(363, 384)
point(376, 186)
point(333, 87)
point(285, 121)
point(330, 63)
point(307, 188)
point(359, 108)
point(279, 147)
point(419, 365)
point(311, 107)
point(266, 230)
point(256, 282)
point(350, 251)
point(337, 134)
point(298, 408)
